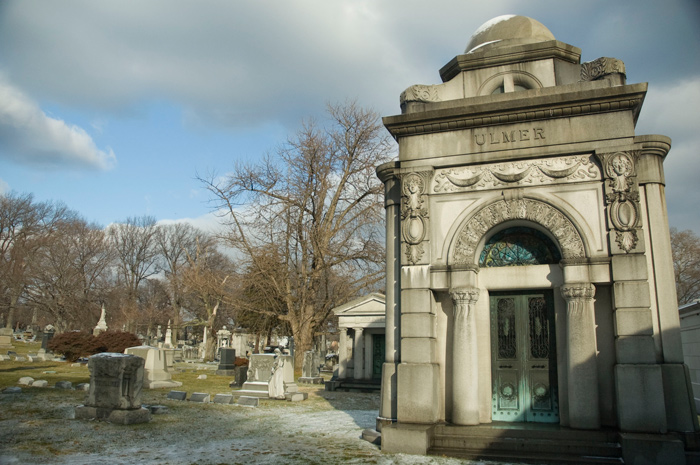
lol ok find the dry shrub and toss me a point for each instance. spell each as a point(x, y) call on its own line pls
point(115, 341)
point(73, 345)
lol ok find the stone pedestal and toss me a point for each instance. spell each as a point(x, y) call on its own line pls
point(116, 381)
point(156, 374)
point(311, 368)
point(6, 338)
point(260, 372)
point(227, 362)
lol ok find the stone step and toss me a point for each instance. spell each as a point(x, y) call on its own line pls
point(528, 431)
point(552, 458)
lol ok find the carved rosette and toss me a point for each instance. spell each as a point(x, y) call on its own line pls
point(622, 196)
point(414, 214)
point(540, 172)
point(481, 222)
point(592, 70)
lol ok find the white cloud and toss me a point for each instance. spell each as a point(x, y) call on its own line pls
point(29, 136)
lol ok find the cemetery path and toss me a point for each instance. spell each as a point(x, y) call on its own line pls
point(38, 426)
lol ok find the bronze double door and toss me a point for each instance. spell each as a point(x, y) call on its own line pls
point(523, 357)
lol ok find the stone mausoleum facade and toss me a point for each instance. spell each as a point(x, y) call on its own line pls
point(529, 272)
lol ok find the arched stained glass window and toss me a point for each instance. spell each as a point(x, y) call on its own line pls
point(519, 246)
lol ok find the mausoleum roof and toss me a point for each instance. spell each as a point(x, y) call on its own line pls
point(508, 30)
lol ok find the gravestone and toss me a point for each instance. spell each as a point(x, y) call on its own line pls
point(311, 368)
point(25, 381)
point(116, 381)
point(158, 409)
point(12, 390)
point(101, 326)
point(227, 362)
point(246, 401)
point(40, 383)
point(240, 376)
point(67, 385)
point(223, 398)
point(177, 395)
point(201, 397)
point(6, 338)
point(259, 374)
point(156, 374)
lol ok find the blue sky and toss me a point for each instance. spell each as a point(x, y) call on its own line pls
point(113, 107)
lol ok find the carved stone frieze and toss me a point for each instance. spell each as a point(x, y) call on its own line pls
point(563, 230)
point(420, 93)
point(414, 214)
point(463, 299)
point(536, 172)
point(592, 70)
point(622, 196)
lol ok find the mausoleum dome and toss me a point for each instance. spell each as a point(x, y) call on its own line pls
point(508, 30)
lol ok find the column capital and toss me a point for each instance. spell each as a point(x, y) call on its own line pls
point(578, 291)
point(462, 295)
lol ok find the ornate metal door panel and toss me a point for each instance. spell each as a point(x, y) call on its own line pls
point(523, 358)
point(378, 355)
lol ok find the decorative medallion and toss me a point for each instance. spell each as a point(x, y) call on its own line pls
point(561, 228)
point(508, 391)
point(531, 173)
point(622, 197)
point(540, 392)
point(414, 215)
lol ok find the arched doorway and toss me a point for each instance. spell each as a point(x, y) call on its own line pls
point(523, 345)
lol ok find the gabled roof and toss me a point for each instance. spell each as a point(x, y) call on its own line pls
point(371, 304)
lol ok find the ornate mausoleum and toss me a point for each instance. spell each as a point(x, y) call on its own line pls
point(530, 307)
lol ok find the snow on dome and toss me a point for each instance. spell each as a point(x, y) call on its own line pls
point(508, 30)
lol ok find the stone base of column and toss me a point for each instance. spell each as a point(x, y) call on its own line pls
point(418, 401)
point(387, 407)
point(407, 439)
point(639, 390)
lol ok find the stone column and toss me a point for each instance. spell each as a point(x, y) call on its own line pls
point(582, 371)
point(392, 206)
point(343, 354)
point(465, 360)
point(357, 351)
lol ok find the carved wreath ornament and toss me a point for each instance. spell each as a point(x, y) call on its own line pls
point(414, 214)
point(565, 169)
point(538, 212)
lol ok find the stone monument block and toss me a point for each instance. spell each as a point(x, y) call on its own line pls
point(227, 362)
point(177, 395)
point(116, 381)
point(200, 397)
point(311, 368)
point(6, 338)
point(156, 374)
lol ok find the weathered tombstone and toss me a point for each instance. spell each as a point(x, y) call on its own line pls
point(12, 390)
point(46, 337)
point(82, 387)
point(223, 398)
point(25, 381)
point(177, 395)
point(202, 377)
point(200, 397)
point(259, 374)
point(5, 358)
point(156, 373)
point(241, 376)
point(311, 368)
point(67, 385)
point(116, 381)
point(158, 409)
point(227, 362)
point(102, 324)
point(20, 358)
point(6, 338)
point(40, 383)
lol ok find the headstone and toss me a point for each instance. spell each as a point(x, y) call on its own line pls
point(83, 387)
point(6, 338)
point(168, 343)
point(5, 358)
point(116, 381)
point(248, 401)
point(40, 383)
point(202, 397)
point(20, 358)
point(12, 390)
point(47, 335)
point(223, 398)
point(259, 374)
point(227, 362)
point(156, 374)
point(158, 409)
point(240, 376)
point(177, 395)
point(102, 324)
point(25, 381)
point(63, 385)
point(311, 368)
point(202, 377)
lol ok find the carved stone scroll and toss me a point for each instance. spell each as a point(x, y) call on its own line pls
point(563, 230)
point(549, 171)
point(420, 93)
point(414, 214)
point(592, 70)
point(622, 197)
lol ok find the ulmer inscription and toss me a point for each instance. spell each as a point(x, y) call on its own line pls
point(508, 137)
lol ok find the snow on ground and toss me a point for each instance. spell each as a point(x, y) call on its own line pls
point(325, 429)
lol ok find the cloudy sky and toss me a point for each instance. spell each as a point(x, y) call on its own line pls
point(114, 106)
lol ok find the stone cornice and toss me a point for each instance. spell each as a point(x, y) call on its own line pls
point(484, 111)
point(507, 55)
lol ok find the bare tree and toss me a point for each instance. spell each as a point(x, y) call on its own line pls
point(317, 207)
point(134, 243)
point(69, 275)
point(176, 242)
point(25, 227)
point(685, 246)
point(207, 279)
